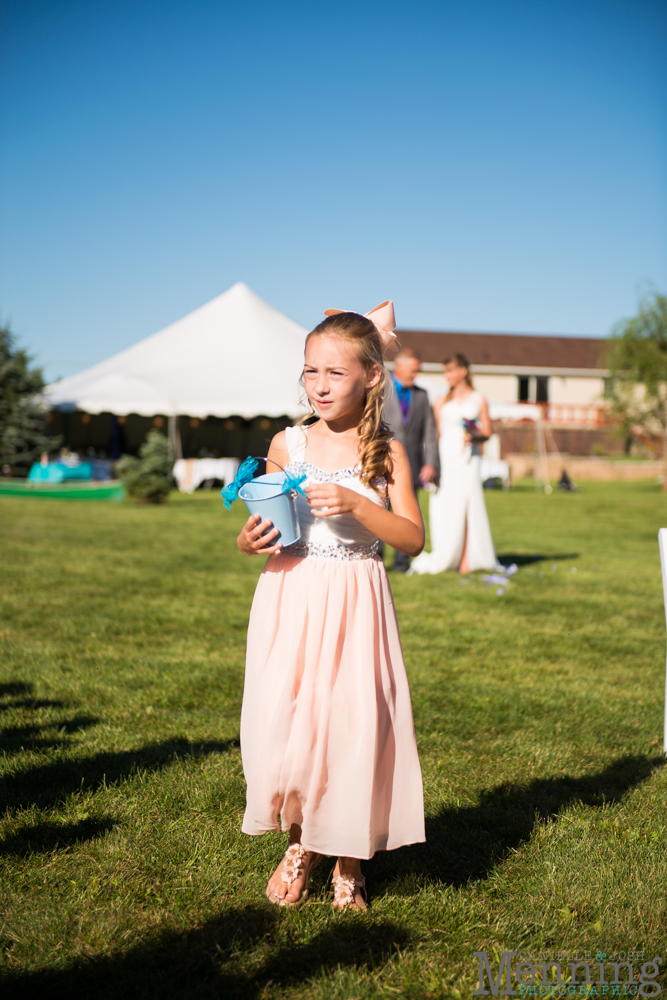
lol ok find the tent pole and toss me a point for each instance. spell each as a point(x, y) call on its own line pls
point(175, 446)
point(543, 458)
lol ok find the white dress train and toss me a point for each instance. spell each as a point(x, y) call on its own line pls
point(459, 501)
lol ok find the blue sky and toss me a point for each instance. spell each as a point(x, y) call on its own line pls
point(490, 165)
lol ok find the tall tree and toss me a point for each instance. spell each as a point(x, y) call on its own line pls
point(23, 426)
point(638, 364)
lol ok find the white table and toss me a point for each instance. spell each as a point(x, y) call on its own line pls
point(490, 468)
point(191, 472)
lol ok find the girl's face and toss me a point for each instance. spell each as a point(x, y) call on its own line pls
point(334, 378)
point(455, 374)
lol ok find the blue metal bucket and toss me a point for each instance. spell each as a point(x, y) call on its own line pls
point(263, 496)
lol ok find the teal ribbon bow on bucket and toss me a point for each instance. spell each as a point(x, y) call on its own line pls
point(294, 483)
point(245, 473)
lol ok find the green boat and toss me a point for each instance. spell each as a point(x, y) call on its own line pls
point(110, 490)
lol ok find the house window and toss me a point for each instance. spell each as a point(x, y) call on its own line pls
point(533, 389)
point(542, 389)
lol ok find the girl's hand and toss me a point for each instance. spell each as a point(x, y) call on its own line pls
point(327, 499)
point(253, 542)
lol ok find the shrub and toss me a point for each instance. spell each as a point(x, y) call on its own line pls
point(147, 477)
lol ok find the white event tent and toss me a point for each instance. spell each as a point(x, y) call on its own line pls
point(234, 356)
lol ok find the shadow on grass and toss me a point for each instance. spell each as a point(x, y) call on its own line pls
point(240, 952)
point(13, 739)
point(465, 844)
point(47, 784)
point(507, 558)
point(14, 689)
point(224, 958)
point(44, 837)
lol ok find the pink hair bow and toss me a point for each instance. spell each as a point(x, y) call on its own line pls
point(382, 317)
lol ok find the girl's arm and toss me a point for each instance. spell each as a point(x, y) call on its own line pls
point(252, 539)
point(402, 527)
point(278, 453)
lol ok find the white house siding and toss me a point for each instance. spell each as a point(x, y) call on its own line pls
point(570, 390)
point(503, 388)
point(575, 389)
point(435, 385)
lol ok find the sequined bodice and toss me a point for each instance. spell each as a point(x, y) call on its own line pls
point(340, 536)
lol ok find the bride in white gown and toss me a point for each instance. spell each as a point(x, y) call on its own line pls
point(460, 533)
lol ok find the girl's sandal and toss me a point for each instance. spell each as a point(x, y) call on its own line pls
point(294, 864)
point(345, 892)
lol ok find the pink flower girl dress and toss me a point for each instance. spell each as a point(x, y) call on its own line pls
point(327, 735)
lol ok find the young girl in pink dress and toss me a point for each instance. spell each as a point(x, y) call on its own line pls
point(327, 735)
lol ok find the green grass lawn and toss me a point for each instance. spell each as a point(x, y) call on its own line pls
point(539, 717)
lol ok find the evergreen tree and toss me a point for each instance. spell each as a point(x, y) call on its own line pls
point(23, 427)
point(147, 477)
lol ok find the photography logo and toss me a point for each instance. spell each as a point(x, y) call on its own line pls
point(585, 977)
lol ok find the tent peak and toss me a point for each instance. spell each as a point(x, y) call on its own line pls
point(205, 363)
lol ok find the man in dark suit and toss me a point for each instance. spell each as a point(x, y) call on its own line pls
point(408, 413)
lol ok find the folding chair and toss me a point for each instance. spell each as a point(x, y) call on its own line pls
point(662, 541)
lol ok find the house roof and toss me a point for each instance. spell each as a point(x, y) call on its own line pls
point(509, 351)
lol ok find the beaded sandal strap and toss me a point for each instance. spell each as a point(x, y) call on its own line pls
point(293, 863)
point(344, 888)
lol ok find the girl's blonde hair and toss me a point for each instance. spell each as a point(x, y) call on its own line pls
point(374, 434)
point(460, 361)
